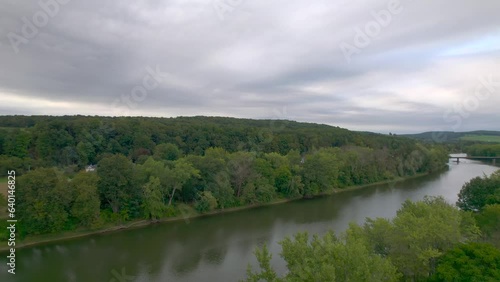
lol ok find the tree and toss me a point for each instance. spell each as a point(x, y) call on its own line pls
point(489, 222)
point(264, 191)
point(320, 171)
point(282, 180)
point(295, 187)
point(86, 153)
point(153, 198)
point(222, 191)
point(17, 143)
point(241, 169)
point(152, 168)
point(267, 273)
point(478, 192)
point(180, 174)
point(43, 201)
point(469, 262)
point(116, 183)
point(86, 206)
point(167, 151)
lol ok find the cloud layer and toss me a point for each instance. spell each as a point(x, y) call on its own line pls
point(400, 66)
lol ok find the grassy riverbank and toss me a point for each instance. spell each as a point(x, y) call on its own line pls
point(188, 214)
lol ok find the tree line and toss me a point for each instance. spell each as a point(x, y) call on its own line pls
point(483, 150)
point(428, 240)
point(75, 141)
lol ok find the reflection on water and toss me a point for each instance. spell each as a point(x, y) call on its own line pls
point(219, 248)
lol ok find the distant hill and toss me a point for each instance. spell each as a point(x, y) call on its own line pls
point(450, 136)
point(57, 137)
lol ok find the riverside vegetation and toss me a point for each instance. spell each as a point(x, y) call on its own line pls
point(159, 168)
point(429, 240)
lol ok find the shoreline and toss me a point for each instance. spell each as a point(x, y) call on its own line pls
point(69, 235)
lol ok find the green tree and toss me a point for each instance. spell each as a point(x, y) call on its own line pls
point(43, 201)
point(478, 192)
point(222, 191)
point(489, 222)
point(152, 168)
point(240, 167)
point(86, 206)
point(471, 262)
point(116, 183)
point(180, 174)
point(248, 194)
point(17, 143)
point(267, 273)
point(282, 180)
point(167, 151)
point(320, 171)
point(153, 199)
point(86, 153)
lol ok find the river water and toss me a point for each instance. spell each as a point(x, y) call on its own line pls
point(219, 248)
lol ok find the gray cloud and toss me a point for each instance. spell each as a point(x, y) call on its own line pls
point(278, 59)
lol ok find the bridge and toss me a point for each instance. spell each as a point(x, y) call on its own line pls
point(479, 158)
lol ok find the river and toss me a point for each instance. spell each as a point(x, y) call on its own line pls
point(218, 248)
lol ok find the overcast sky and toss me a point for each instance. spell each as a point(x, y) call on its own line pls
point(384, 66)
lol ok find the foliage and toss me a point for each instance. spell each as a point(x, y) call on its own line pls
point(44, 201)
point(206, 203)
point(167, 151)
point(489, 222)
point(179, 175)
point(418, 244)
point(420, 233)
point(479, 192)
point(116, 184)
point(326, 258)
point(487, 150)
point(266, 273)
point(320, 171)
point(86, 206)
point(469, 263)
point(153, 199)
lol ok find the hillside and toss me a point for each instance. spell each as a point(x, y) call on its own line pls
point(453, 137)
point(55, 138)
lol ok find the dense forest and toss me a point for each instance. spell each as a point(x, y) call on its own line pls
point(451, 136)
point(429, 240)
point(487, 150)
point(154, 168)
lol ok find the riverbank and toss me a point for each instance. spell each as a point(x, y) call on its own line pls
point(43, 239)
